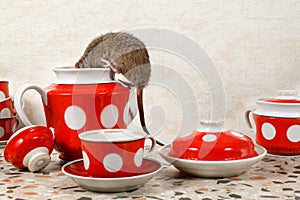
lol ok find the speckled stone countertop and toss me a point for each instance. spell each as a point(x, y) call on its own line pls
point(272, 178)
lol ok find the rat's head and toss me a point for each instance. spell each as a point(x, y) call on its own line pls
point(78, 65)
point(85, 63)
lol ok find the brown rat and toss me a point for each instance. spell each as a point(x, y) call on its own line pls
point(122, 53)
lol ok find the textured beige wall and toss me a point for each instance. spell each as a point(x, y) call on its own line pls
point(255, 45)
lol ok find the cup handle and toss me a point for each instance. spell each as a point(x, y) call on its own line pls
point(247, 118)
point(16, 126)
point(151, 149)
point(18, 100)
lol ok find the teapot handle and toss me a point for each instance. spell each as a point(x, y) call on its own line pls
point(18, 103)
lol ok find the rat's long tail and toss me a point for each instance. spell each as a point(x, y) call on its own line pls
point(141, 112)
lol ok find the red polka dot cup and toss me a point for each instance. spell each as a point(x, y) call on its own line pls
point(79, 100)
point(7, 127)
point(213, 143)
point(277, 123)
point(30, 147)
point(6, 108)
point(4, 90)
point(111, 153)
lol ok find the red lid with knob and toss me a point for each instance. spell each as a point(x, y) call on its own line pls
point(30, 147)
point(212, 143)
point(285, 105)
point(285, 96)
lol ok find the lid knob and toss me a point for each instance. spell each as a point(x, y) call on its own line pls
point(286, 94)
point(211, 126)
point(38, 162)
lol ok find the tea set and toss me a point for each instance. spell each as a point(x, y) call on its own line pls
point(87, 115)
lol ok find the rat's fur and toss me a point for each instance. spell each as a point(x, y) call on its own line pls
point(124, 54)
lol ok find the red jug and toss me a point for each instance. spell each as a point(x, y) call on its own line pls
point(79, 100)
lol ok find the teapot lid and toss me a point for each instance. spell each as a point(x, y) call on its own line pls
point(30, 147)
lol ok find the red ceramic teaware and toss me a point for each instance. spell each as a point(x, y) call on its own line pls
point(30, 147)
point(6, 108)
point(7, 127)
point(212, 143)
point(277, 123)
point(79, 100)
point(112, 153)
point(4, 90)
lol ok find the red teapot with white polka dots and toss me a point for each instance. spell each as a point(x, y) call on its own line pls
point(277, 123)
point(79, 100)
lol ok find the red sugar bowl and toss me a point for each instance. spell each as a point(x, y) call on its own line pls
point(277, 123)
point(212, 152)
point(30, 147)
point(212, 143)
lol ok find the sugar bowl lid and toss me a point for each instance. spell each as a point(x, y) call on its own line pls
point(285, 96)
point(286, 104)
point(30, 147)
point(211, 142)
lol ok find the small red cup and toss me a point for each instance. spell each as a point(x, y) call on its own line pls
point(7, 127)
point(111, 153)
point(4, 92)
point(6, 108)
point(30, 147)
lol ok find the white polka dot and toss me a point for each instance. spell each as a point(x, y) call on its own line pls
point(5, 113)
point(138, 157)
point(112, 162)
point(293, 133)
point(2, 95)
point(86, 160)
point(2, 132)
point(75, 117)
point(109, 116)
point(126, 114)
point(209, 138)
point(268, 131)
